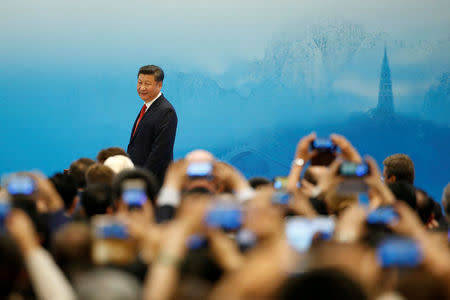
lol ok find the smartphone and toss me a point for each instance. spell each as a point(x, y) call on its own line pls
point(280, 182)
point(323, 145)
point(281, 198)
point(200, 170)
point(399, 252)
point(382, 216)
point(300, 231)
point(228, 216)
point(196, 242)
point(351, 169)
point(20, 185)
point(133, 193)
point(111, 242)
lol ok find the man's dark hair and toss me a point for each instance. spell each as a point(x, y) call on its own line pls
point(404, 191)
point(78, 170)
point(326, 283)
point(150, 180)
point(98, 173)
point(96, 199)
point(104, 154)
point(156, 71)
point(401, 166)
point(71, 248)
point(256, 182)
point(66, 186)
point(425, 207)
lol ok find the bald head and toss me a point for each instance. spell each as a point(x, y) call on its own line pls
point(200, 156)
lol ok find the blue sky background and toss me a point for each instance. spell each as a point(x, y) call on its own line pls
point(241, 74)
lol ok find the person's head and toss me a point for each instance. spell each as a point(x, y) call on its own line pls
point(322, 284)
point(258, 182)
point(119, 163)
point(200, 185)
point(446, 200)
point(150, 80)
point(404, 191)
point(150, 181)
point(314, 173)
point(98, 173)
point(71, 247)
point(67, 188)
point(108, 152)
point(96, 200)
point(425, 206)
point(78, 170)
point(107, 283)
point(398, 167)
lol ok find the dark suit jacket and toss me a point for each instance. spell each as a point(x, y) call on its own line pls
point(151, 146)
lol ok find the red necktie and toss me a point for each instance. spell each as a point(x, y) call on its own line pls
point(140, 118)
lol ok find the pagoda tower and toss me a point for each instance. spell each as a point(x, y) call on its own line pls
point(385, 97)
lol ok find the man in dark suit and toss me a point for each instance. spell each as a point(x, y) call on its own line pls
point(153, 133)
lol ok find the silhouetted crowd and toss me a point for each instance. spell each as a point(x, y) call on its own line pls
point(336, 227)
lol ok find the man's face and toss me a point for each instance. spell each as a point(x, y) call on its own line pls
point(147, 87)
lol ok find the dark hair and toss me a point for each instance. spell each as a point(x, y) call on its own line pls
point(404, 191)
point(150, 181)
point(96, 198)
point(71, 248)
point(66, 186)
point(78, 169)
point(256, 182)
point(104, 154)
point(156, 71)
point(425, 208)
point(326, 283)
point(401, 166)
point(98, 173)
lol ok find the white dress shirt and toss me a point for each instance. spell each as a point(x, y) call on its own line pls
point(149, 103)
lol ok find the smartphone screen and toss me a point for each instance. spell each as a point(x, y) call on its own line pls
point(228, 216)
point(111, 242)
point(133, 193)
point(383, 215)
point(200, 169)
point(20, 185)
point(323, 145)
point(301, 231)
point(350, 169)
point(399, 252)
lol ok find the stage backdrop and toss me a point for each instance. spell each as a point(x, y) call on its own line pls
point(248, 78)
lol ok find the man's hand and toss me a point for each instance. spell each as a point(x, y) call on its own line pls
point(176, 174)
point(303, 147)
point(228, 176)
point(302, 152)
point(21, 229)
point(47, 199)
point(348, 151)
point(382, 194)
point(350, 226)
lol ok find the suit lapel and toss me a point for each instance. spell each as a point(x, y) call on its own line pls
point(147, 114)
